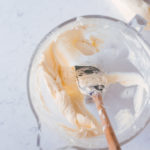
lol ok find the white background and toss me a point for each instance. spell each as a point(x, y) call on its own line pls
point(22, 25)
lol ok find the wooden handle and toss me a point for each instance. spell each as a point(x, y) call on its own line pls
point(113, 143)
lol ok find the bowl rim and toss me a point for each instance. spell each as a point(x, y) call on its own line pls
point(35, 52)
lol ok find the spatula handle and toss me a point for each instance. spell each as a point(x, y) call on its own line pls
point(113, 143)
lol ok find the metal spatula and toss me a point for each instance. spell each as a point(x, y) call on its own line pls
point(91, 81)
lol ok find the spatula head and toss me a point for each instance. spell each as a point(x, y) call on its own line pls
point(90, 79)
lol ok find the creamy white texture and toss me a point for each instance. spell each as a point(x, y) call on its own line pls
point(61, 81)
point(124, 119)
point(56, 76)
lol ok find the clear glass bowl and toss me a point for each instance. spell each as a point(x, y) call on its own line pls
point(119, 39)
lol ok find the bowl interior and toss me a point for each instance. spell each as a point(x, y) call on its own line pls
point(123, 51)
